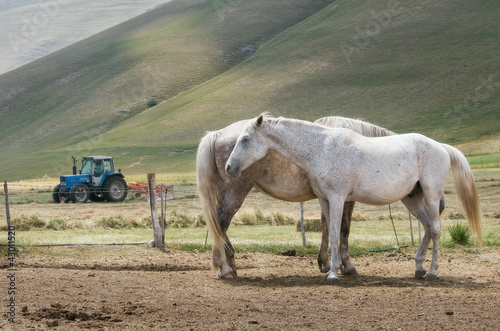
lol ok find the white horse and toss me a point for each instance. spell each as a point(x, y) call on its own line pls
point(345, 166)
point(221, 195)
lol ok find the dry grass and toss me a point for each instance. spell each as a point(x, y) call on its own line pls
point(371, 225)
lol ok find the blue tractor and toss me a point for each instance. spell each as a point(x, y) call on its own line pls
point(97, 181)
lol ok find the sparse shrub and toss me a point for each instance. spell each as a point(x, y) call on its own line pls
point(262, 219)
point(387, 217)
point(280, 219)
point(120, 222)
point(57, 224)
point(310, 225)
point(245, 218)
point(152, 103)
point(140, 224)
point(459, 233)
point(178, 220)
point(455, 215)
point(199, 221)
point(112, 222)
point(493, 215)
point(27, 222)
point(259, 217)
point(78, 225)
point(357, 217)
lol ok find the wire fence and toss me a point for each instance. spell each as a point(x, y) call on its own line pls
point(20, 193)
point(33, 207)
point(33, 203)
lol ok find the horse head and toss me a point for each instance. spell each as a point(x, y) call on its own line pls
point(250, 148)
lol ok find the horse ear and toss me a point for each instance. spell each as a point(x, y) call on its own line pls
point(260, 119)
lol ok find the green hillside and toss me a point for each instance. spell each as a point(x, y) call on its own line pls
point(89, 88)
point(419, 66)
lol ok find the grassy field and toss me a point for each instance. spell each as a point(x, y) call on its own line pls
point(412, 68)
point(129, 222)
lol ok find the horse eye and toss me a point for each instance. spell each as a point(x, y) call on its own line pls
point(245, 139)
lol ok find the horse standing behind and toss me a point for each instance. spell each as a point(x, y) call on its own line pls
point(343, 166)
point(221, 196)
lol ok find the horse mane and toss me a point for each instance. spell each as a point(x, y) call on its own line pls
point(359, 126)
point(270, 119)
point(274, 121)
point(356, 125)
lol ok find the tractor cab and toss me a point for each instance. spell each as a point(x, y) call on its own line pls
point(97, 167)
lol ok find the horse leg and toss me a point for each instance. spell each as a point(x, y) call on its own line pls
point(417, 208)
point(228, 208)
point(435, 234)
point(222, 264)
point(227, 266)
point(422, 249)
point(323, 258)
point(347, 267)
point(332, 209)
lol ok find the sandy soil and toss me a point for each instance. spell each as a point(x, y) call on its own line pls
point(129, 287)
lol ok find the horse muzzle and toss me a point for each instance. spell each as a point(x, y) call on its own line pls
point(233, 170)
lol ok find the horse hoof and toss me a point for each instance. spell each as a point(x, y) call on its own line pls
point(430, 277)
point(228, 275)
point(351, 271)
point(324, 268)
point(420, 273)
point(331, 280)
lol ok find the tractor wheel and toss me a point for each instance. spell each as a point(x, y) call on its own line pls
point(115, 189)
point(55, 194)
point(59, 196)
point(79, 193)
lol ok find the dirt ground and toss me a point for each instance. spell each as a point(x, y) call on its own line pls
point(138, 288)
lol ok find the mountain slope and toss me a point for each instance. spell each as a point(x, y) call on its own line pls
point(413, 66)
point(31, 29)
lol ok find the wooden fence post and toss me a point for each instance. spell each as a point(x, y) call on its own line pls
point(7, 210)
point(163, 212)
point(154, 214)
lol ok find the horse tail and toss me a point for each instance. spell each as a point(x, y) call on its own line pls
point(210, 190)
point(466, 188)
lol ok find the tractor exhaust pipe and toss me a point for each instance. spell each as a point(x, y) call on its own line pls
point(74, 165)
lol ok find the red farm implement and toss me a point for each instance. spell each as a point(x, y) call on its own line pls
point(139, 189)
